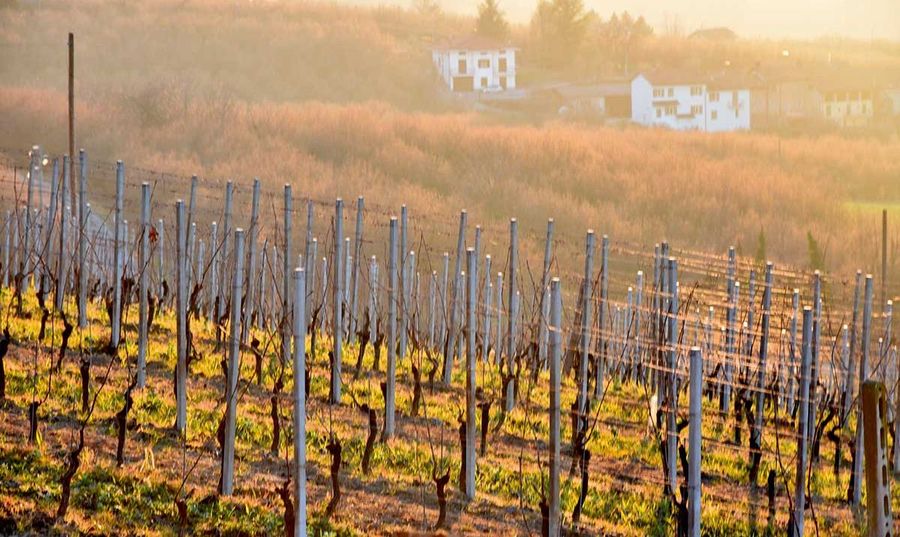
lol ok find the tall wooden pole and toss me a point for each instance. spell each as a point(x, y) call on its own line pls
point(71, 100)
point(511, 320)
point(337, 340)
point(299, 402)
point(587, 307)
point(555, 344)
point(181, 321)
point(471, 299)
point(287, 327)
point(144, 273)
point(389, 394)
point(118, 254)
point(795, 528)
point(234, 349)
point(82, 238)
point(857, 472)
point(884, 276)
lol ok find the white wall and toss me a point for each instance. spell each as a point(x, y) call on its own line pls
point(488, 77)
point(688, 107)
point(729, 112)
point(641, 103)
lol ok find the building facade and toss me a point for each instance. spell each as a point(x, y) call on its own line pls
point(681, 102)
point(476, 64)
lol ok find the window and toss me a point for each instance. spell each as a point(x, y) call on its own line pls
point(484, 64)
point(503, 65)
point(671, 92)
point(659, 92)
point(461, 67)
point(696, 91)
point(696, 110)
point(670, 110)
point(714, 96)
point(714, 115)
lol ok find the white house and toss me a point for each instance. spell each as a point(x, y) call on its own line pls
point(476, 64)
point(684, 102)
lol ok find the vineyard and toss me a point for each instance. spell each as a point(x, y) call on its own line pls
point(184, 355)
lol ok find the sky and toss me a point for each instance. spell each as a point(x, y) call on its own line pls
point(803, 19)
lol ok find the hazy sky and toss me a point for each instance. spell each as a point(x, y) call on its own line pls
point(750, 18)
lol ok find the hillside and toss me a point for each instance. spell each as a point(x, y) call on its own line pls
point(343, 100)
point(696, 190)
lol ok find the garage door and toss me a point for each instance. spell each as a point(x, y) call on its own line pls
point(463, 83)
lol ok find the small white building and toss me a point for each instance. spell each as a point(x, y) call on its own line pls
point(684, 102)
point(476, 64)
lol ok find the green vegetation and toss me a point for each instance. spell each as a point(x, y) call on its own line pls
point(625, 497)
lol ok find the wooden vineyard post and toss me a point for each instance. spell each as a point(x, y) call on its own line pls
point(309, 257)
point(390, 392)
point(694, 439)
point(498, 292)
point(856, 476)
point(160, 240)
point(192, 233)
point(250, 309)
point(488, 307)
point(62, 269)
point(555, 348)
point(144, 267)
point(471, 306)
point(373, 299)
point(82, 239)
point(637, 360)
point(814, 364)
point(116, 325)
point(587, 307)
point(797, 517)
point(213, 289)
point(338, 325)
point(725, 401)
point(792, 356)
point(432, 282)
point(450, 342)
point(181, 320)
point(672, 392)
point(849, 392)
point(49, 244)
point(878, 483)
point(404, 276)
point(33, 170)
point(299, 402)
point(543, 333)
point(511, 320)
point(234, 346)
point(603, 344)
point(441, 307)
point(226, 233)
point(756, 432)
point(6, 233)
point(287, 326)
point(357, 263)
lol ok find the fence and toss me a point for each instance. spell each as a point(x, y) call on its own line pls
point(675, 323)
